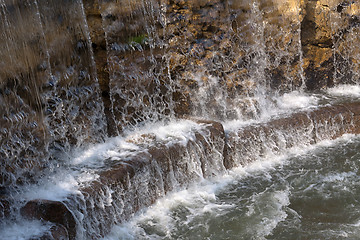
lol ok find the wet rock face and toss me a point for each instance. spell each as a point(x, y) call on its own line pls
point(158, 59)
point(276, 136)
point(154, 60)
point(49, 98)
point(192, 52)
point(129, 184)
point(268, 33)
point(54, 212)
point(281, 44)
point(329, 33)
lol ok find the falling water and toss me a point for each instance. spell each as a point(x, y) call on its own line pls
point(344, 38)
point(289, 196)
point(50, 104)
point(21, 126)
point(47, 86)
point(108, 106)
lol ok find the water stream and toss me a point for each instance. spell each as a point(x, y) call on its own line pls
point(264, 200)
point(91, 87)
point(307, 193)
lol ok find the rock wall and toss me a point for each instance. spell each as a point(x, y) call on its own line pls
point(329, 33)
point(49, 98)
point(75, 72)
point(205, 58)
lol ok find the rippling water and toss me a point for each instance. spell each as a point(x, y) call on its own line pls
point(311, 193)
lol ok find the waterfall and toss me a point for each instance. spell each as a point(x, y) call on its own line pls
point(50, 103)
point(48, 86)
point(21, 125)
point(107, 106)
point(136, 55)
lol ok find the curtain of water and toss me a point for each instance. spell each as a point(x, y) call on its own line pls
point(218, 60)
point(74, 112)
point(48, 87)
point(24, 70)
point(345, 35)
point(195, 58)
point(140, 89)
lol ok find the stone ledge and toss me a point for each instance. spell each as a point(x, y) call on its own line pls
point(135, 183)
point(131, 185)
point(325, 123)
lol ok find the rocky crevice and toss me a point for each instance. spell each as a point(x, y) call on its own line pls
point(99, 47)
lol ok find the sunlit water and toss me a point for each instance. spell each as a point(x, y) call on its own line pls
point(308, 192)
point(311, 193)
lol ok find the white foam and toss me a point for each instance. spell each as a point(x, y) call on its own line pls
point(175, 131)
point(24, 230)
point(197, 200)
point(122, 231)
point(55, 188)
point(296, 100)
point(356, 224)
point(200, 198)
point(58, 186)
point(345, 90)
point(285, 104)
point(273, 213)
point(95, 155)
point(339, 177)
point(122, 147)
point(343, 138)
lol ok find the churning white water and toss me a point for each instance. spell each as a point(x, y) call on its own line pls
point(345, 90)
point(264, 200)
point(81, 169)
point(24, 230)
point(281, 105)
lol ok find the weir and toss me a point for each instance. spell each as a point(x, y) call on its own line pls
point(126, 184)
point(107, 106)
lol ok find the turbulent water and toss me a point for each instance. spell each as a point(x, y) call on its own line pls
point(309, 193)
point(87, 85)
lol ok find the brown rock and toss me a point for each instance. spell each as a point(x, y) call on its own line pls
point(274, 137)
point(52, 211)
point(4, 208)
point(57, 232)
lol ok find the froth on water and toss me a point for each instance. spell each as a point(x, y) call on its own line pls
point(308, 193)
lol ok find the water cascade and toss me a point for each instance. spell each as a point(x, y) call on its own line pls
point(108, 106)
